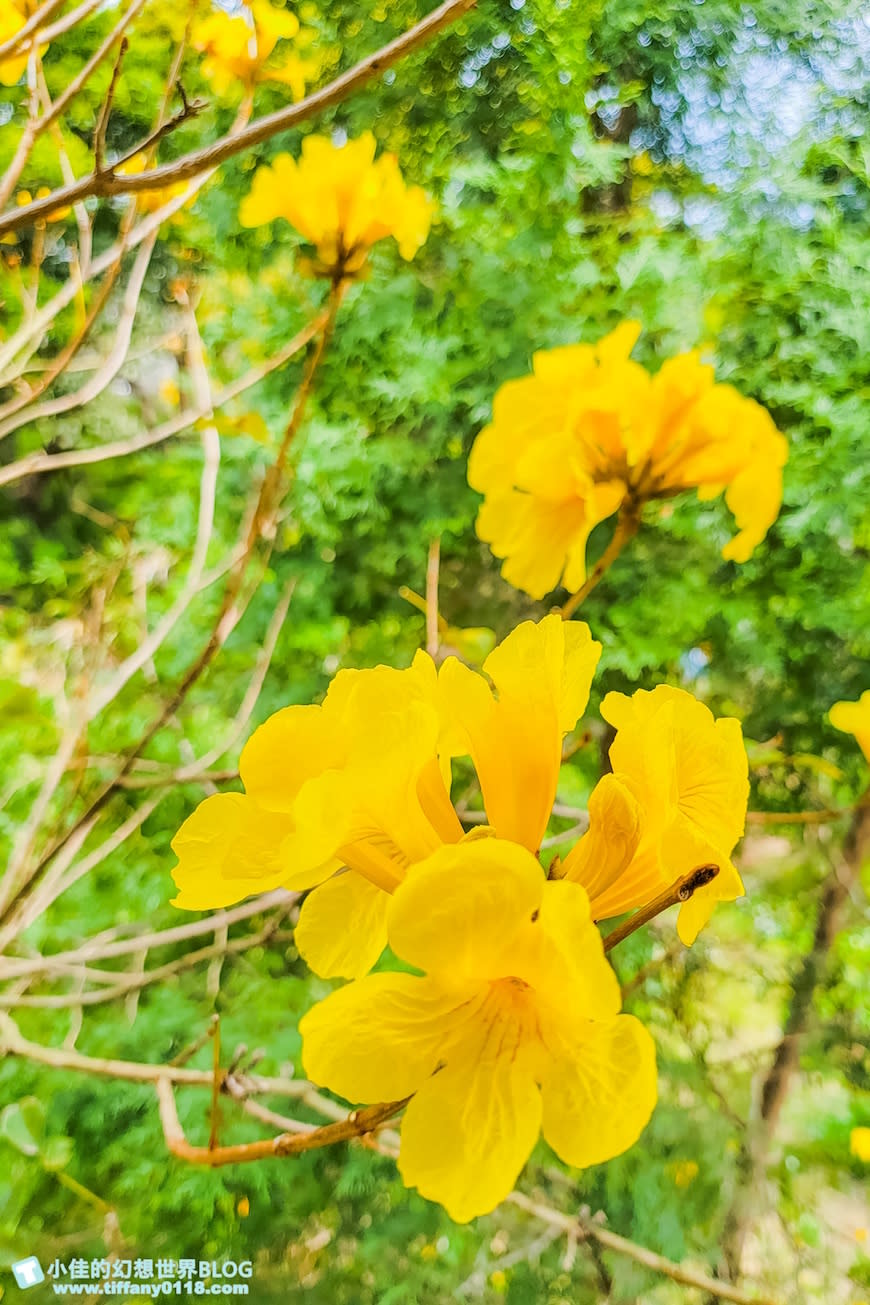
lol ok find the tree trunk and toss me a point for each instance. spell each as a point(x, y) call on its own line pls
point(752, 1159)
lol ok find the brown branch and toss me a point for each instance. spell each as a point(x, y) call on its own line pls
point(822, 817)
point(189, 109)
point(106, 109)
point(262, 129)
point(34, 22)
point(755, 1146)
point(357, 1124)
point(38, 463)
point(627, 526)
point(680, 891)
point(68, 21)
point(433, 565)
point(649, 1259)
point(66, 355)
point(98, 948)
point(128, 983)
point(80, 80)
point(228, 616)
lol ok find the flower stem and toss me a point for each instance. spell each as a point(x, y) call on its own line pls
point(626, 528)
point(680, 891)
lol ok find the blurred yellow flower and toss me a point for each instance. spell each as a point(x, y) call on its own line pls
point(854, 718)
point(513, 1029)
point(342, 201)
point(676, 799)
point(590, 433)
point(684, 1172)
point(237, 46)
point(13, 15)
point(859, 1144)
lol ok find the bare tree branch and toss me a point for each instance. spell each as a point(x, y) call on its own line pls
point(262, 129)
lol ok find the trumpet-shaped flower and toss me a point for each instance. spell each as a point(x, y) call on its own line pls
point(591, 433)
point(342, 201)
point(13, 15)
point(363, 782)
point(237, 46)
point(361, 785)
point(513, 1029)
point(854, 718)
point(676, 799)
point(513, 728)
point(354, 782)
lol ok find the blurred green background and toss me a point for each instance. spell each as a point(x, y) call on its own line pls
point(702, 167)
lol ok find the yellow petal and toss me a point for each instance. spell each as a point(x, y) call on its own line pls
point(534, 536)
point(289, 748)
point(542, 673)
point(229, 848)
point(342, 927)
point(696, 912)
point(854, 718)
point(598, 1096)
point(605, 851)
point(379, 1038)
point(467, 1134)
point(456, 913)
point(689, 774)
point(859, 1144)
point(560, 955)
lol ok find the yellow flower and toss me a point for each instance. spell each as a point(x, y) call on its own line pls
point(149, 201)
point(364, 782)
point(341, 200)
point(854, 718)
point(859, 1144)
point(358, 776)
point(676, 800)
point(590, 433)
point(236, 47)
point(684, 1172)
point(13, 15)
point(513, 1029)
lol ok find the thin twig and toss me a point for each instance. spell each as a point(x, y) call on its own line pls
point(99, 948)
point(626, 528)
point(262, 129)
point(356, 1125)
point(680, 891)
point(106, 109)
point(433, 565)
point(39, 463)
point(649, 1259)
point(33, 24)
point(823, 817)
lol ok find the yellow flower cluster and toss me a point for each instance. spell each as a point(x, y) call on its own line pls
point(591, 433)
point(237, 46)
point(854, 718)
point(13, 15)
point(342, 201)
point(513, 1026)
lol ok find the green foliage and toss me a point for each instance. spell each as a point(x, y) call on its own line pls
point(591, 163)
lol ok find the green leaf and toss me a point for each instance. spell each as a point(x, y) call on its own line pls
point(22, 1124)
